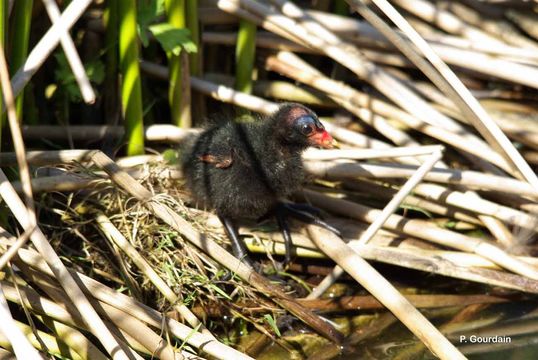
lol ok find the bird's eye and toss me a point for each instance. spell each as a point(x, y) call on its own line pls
point(306, 125)
point(307, 129)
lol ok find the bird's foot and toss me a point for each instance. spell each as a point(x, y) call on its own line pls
point(302, 212)
point(307, 214)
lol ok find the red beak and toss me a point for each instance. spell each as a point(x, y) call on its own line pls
point(322, 139)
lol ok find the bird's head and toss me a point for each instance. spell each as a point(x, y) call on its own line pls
point(297, 125)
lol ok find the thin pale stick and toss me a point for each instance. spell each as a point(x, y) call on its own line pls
point(361, 154)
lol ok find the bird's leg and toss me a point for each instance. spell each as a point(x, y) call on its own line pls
point(238, 246)
point(285, 229)
point(304, 213)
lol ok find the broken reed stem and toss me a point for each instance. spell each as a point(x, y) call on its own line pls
point(115, 236)
point(212, 249)
point(382, 290)
point(389, 209)
point(369, 302)
point(436, 207)
point(354, 138)
point(158, 132)
point(477, 205)
point(362, 154)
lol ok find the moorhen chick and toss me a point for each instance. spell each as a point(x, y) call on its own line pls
point(243, 170)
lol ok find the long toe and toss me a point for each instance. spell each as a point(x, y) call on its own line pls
point(306, 216)
point(304, 207)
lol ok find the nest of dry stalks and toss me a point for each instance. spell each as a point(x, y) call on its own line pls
point(199, 282)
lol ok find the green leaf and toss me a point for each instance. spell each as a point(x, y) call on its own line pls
point(95, 70)
point(171, 156)
point(272, 323)
point(148, 12)
point(173, 39)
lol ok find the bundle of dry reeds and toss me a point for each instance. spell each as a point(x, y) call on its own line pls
point(433, 104)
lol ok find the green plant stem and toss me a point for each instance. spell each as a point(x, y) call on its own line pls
point(179, 89)
point(20, 37)
point(131, 89)
point(244, 56)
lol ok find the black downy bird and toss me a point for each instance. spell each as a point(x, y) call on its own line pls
point(246, 170)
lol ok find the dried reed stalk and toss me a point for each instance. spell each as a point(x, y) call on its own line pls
point(383, 291)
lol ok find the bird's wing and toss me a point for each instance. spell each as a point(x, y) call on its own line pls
point(221, 161)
